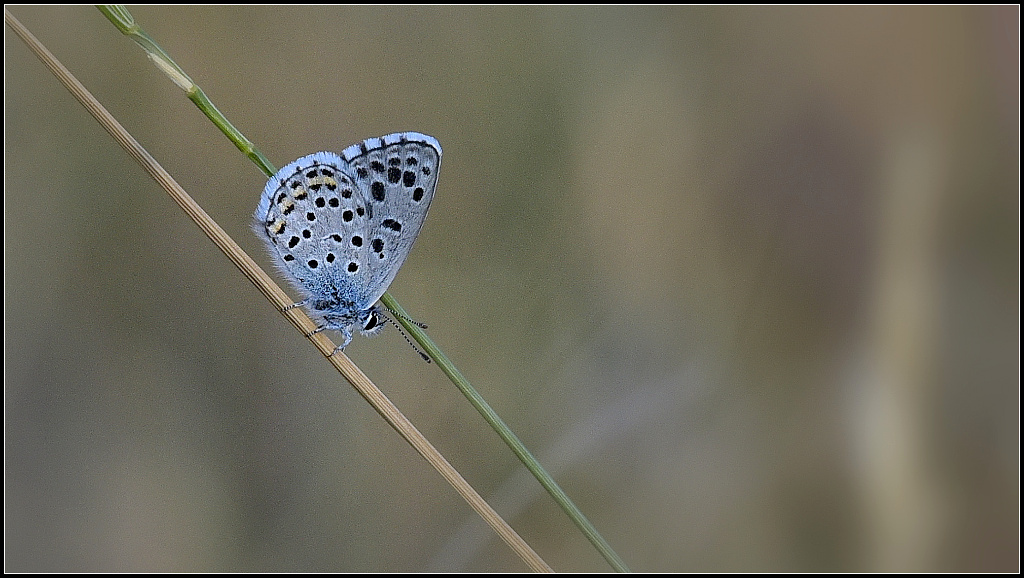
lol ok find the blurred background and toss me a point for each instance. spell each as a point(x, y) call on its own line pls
point(745, 279)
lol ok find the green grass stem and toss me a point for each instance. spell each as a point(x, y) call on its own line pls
point(123, 20)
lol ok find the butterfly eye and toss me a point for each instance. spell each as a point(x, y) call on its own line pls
point(372, 321)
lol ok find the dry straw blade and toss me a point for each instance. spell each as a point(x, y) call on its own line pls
point(120, 17)
point(280, 299)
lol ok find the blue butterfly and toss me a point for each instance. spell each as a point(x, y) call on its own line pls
point(340, 226)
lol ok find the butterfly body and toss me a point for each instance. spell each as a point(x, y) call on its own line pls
point(340, 226)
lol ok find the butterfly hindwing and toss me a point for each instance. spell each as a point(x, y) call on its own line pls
point(314, 216)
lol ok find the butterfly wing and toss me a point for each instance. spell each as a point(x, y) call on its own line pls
point(397, 175)
point(314, 219)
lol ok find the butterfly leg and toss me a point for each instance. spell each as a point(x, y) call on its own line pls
point(346, 335)
point(346, 338)
point(294, 305)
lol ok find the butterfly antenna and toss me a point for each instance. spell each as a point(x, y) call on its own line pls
point(410, 320)
point(407, 340)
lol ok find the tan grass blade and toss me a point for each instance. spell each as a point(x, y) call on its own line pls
point(281, 301)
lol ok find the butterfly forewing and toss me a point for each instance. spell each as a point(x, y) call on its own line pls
point(397, 175)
